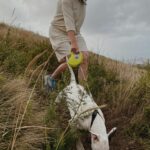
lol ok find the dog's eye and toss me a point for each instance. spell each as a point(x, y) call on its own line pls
point(95, 138)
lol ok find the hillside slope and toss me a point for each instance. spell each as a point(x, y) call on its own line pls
point(30, 120)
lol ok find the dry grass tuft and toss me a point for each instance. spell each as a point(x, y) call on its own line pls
point(14, 98)
point(17, 33)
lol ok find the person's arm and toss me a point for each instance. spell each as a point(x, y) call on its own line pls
point(67, 9)
point(74, 44)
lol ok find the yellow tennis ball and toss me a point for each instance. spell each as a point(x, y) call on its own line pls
point(75, 59)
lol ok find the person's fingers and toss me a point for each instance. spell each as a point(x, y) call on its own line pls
point(74, 50)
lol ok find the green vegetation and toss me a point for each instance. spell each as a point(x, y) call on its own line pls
point(140, 123)
point(30, 119)
point(145, 65)
point(19, 47)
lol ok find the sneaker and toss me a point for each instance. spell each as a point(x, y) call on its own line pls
point(49, 83)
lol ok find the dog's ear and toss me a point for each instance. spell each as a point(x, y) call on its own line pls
point(111, 133)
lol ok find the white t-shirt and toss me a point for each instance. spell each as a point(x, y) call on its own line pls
point(70, 15)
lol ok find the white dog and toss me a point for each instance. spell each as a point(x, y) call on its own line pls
point(85, 113)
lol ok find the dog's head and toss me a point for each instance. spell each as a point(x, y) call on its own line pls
point(99, 137)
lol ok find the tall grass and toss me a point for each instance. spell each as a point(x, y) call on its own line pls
point(31, 118)
point(19, 47)
point(17, 50)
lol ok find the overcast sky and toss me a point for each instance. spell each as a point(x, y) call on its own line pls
point(119, 29)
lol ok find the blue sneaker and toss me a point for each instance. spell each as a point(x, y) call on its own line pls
point(49, 83)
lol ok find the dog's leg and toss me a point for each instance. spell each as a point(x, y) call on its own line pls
point(79, 145)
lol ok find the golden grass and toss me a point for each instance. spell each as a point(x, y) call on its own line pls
point(17, 33)
point(21, 99)
point(27, 103)
point(16, 93)
point(21, 113)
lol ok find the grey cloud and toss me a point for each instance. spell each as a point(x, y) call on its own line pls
point(121, 28)
point(118, 18)
point(31, 14)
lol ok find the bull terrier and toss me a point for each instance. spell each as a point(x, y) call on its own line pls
point(85, 114)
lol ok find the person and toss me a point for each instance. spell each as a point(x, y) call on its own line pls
point(65, 35)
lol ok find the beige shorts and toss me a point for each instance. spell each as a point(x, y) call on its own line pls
point(61, 43)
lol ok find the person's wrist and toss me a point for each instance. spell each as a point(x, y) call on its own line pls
point(74, 50)
point(74, 45)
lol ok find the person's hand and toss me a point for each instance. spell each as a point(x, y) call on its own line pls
point(74, 48)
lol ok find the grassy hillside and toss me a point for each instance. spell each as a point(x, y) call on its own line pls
point(29, 119)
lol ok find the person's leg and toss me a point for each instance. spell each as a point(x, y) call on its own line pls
point(83, 70)
point(61, 68)
point(49, 80)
